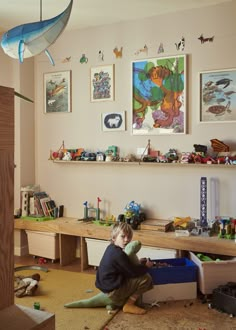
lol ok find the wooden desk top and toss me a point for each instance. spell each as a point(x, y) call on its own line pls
point(73, 227)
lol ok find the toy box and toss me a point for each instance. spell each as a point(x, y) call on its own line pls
point(175, 280)
point(214, 273)
point(96, 248)
point(43, 244)
point(224, 298)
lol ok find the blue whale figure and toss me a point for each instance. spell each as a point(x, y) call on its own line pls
point(31, 39)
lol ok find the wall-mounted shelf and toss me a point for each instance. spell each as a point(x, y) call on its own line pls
point(143, 164)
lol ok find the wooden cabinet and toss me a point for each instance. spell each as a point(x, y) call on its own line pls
point(12, 316)
point(6, 196)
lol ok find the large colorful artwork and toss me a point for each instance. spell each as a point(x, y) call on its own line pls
point(159, 96)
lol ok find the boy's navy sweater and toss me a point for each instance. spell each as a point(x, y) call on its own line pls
point(114, 267)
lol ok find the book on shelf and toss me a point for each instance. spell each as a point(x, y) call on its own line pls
point(43, 202)
point(51, 205)
point(37, 202)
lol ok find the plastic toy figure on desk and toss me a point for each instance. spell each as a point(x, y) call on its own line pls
point(132, 215)
point(93, 209)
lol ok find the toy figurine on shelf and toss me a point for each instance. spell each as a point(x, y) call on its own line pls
point(132, 215)
point(91, 209)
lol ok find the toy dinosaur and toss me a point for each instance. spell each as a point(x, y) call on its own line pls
point(101, 299)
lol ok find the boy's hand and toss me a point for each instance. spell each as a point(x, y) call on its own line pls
point(149, 263)
point(143, 261)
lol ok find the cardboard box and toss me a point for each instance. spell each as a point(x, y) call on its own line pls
point(97, 247)
point(43, 244)
point(211, 274)
point(169, 292)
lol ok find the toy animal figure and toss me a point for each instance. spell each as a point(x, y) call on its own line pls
point(67, 156)
point(118, 53)
point(31, 39)
point(26, 285)
point(203, 40)
point(101, 299)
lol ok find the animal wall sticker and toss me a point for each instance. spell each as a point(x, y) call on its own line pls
point(31, 39)
point(117, 52)
point(208, 39)
point(142, 50)
point(160, 48)
point(181, 44)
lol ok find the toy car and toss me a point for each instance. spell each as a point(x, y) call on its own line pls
point(132, 215)
point(88, 156)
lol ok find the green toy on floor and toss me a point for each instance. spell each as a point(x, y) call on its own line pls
point(101, 299)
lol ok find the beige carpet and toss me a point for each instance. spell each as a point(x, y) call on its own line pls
point(58, 287)
point(175, 315)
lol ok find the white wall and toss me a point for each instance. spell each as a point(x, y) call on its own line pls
point(163, 191)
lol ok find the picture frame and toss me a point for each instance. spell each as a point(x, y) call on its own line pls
point(217, 96)
point(102, 84)
point(57, 92)
point(159, 89)
point(113, 121)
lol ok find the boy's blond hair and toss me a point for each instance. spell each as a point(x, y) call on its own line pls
point(123, 227)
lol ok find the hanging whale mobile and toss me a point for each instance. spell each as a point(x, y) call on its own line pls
point(31, 39)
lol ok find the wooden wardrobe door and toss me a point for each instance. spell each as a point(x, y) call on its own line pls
point(6, 197)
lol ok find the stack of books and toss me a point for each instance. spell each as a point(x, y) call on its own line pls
point(43, 204)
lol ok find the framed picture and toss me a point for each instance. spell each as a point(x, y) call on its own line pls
point(218, 96)
point(57, 92)
point(159, 96)
point(102, 83)
point(113, 121)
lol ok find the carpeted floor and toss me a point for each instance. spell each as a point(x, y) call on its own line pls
point(58, 287)
point(175, 315)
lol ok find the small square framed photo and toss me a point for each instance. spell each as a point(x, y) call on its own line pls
point(217, 96)
point(113, 121)
point(102, 83)
point(57, 92)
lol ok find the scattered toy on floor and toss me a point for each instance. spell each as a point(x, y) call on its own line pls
point(26, 285)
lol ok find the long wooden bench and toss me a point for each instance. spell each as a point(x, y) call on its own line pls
point(71, 228)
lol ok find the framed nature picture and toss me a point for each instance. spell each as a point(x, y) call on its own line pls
point(57, 92)
point(102, 83)
point(159, 96)
point(113, 121)
point(218, 96)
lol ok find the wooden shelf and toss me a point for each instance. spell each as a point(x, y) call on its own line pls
point(142, 164)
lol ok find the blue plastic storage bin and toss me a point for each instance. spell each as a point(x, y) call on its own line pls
point(181, 270)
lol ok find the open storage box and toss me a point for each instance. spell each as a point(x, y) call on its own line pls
point(43, 244)
point(177, 280)
point(97, 247)
point(211, 274)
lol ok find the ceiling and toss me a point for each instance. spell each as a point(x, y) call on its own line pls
point(91, 13)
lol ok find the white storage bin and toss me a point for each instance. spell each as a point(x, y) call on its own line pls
point(156, 253)
point(43, 244)
point(169, 292)
point(97, 247)
point(211, 274)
